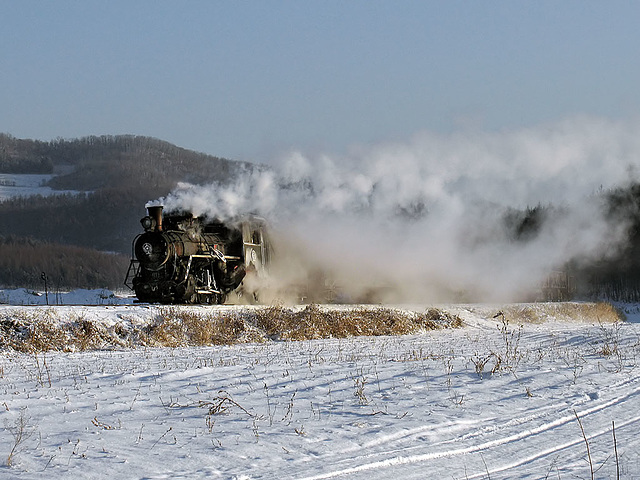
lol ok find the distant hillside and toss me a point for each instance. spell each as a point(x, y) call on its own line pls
point(118, 161)
point(119, 175)
point(23, 156)
point(24, 260)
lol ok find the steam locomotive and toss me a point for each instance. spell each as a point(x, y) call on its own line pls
point(185, 259)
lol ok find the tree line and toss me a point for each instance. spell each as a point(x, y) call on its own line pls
point(24, 260)
point(615, 275)
point(23, 156)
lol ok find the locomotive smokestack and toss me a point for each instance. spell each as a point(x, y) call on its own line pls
point(155, 212)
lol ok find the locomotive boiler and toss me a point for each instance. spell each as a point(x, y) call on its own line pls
point(180, 258)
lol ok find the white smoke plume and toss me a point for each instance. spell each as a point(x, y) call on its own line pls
point(424, 220)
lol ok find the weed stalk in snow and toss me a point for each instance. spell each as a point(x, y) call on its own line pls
point(360, 382)
point(512, 355)
point(586, 442)
point(21, 431)
point(615, 449)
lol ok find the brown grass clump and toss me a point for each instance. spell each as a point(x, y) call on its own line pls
point(169, 328)
point(434, 318)
point(599, 312)
point(230, 329)
point(272, 320)
point(604, 312)
point(30, 333)
point(313, 322)
point(176, 327)
point(85, 334)
point(310, 323)
point(43, 331)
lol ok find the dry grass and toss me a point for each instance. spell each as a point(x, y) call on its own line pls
point(600, 312)
point(31, 333)
point(313, 322)
point(34, 331)
point(42, 330)
point(175, 327)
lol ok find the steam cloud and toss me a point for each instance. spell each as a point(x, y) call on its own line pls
point(424, 220)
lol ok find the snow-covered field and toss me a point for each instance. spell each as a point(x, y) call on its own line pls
point(495, 399)
point(25, 185)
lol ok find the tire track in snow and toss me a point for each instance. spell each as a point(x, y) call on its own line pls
point(556, 449)
point(543, 411)
point(509, 439)
point(547, 410)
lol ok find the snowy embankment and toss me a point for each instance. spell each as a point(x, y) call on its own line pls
point(498, 398)
point(101, 296)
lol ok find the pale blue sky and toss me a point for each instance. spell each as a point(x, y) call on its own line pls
point(252, 79)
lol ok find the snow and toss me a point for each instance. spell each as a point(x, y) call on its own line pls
point(418, 406)
point(100, 296)
point(25, 185)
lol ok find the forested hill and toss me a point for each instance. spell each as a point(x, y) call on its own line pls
point(117, 175)
point(114, 161)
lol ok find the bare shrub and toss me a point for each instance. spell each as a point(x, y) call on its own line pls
point(510, 356)
point(610, 340)
point(220, 404)
point(480, 363)
point(21, 431)
point(359, 383)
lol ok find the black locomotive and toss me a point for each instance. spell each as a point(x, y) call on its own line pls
point(185, 259)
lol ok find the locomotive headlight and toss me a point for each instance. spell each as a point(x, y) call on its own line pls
point(148, 223)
